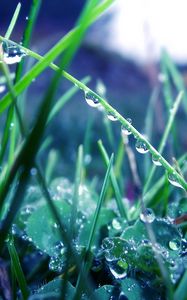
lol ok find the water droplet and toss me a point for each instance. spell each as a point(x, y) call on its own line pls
point(118, 268)
point(2, 88)
point(125, 129)
point(162, 77)
point(91, 99)
point(141, 146)
point(87, 159)
point(112, 117)
point(122, 296)
point(156, 160)
point(11, 125)
point(12, 53)
point(116, 224)
point(174, 245)
point(56, 264)
point(147, 216)
point(108, 243)
point(25, 213)
point(172, 178)
point(33, 172)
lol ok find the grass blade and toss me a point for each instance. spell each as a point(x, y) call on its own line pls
point(13, 21)
point(18, 269)
point(77, 183)
point(87, 259)
point(167, 130)
point(46, 61)
point(114, 182)
point(180, 292)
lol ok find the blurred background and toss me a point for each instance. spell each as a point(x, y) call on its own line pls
point(120, 51)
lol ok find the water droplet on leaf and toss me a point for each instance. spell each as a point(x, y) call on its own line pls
point(118, 268)
point(147, 216)
point(141, 146)
point(116, 224)
point(174, 245)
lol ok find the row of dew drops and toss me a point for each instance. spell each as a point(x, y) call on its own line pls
point(12, 53)
point(141, 145)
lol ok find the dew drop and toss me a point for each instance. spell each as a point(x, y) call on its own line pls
point(116, 224)
point(2, 88)
point(91, 99)
point(147, 216)
point(174, 245)
point(122, 296)
point(156, 160)
point(118, 268)
point(11, 125)
point(112, 117)
point(125, 130)
point(33, 172)
point(12, 53)
point(141, 146)
point(108, 243)
point(172, 178)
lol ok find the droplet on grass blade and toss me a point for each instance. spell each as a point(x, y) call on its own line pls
point(125, 130)
point(141, 146)
point(91, 99)
point(156, 160)
point(12, 53)
point(112, 117)
point(172, 178)
point(147, 216)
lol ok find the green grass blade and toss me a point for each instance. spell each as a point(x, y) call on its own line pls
point(87, 260)
point(114, 182)
point(99, 204)
point(13, 21)
point(176, 76)
point(168, 97)
point(149, 119)
point(75, 198)
point(167, 130)
point(149, 197)
point(51, 165)
point(180, 292)
point(82, 26)
point(64, 99)
point(46, 61)
point(10, 113)
point(18, 269)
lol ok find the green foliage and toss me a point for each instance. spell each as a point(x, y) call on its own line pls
point(84, 239)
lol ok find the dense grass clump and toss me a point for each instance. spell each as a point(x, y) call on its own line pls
point(83, 238)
